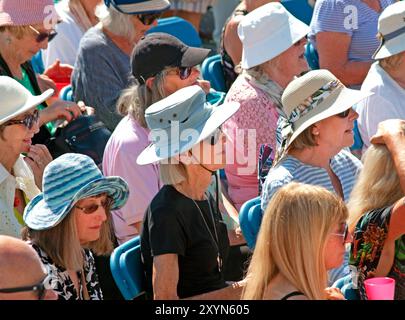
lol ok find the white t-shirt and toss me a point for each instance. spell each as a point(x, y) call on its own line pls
point(387, 102)
point(66, 43)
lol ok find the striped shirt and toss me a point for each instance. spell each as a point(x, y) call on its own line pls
point(344, 165)
point(199, 6)
point(352, 17)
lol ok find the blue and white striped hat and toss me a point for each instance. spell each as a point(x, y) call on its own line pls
point(67, 179)
point(138, 6)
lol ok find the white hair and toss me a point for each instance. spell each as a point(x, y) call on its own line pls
point(116, 22)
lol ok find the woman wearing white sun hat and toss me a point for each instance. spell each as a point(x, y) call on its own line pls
point(273, 53)
point(320, 125)
point(184, 243)
point(386, 77)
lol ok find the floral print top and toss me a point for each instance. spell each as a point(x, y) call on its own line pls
point(368, 243)
point(61, 282)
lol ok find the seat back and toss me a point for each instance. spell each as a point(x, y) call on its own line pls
point(179, 28)
point(300, 9)
point(127, 268)
point(311, 55)
point(211, 70)
point(250, 218)
point(66, 93)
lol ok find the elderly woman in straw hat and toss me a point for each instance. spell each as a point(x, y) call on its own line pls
point(19, 122)
point(273, 53)
point(319, 126)
point(69, 218)
point(293, 265)
point(386, 77)
point(184, 243)
point(105, 50)
point(26, 26)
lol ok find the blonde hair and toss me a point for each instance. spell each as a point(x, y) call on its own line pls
point(292, 240)
point(138, 97)
point(17, 31)
point(377, 185)
point(62, 245)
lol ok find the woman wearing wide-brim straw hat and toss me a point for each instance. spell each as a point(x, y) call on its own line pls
point(319, 126)
point(184, 242)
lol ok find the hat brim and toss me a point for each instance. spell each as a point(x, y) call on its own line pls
point(217, 118)
point(29, 104)
point(274, 45)
point(194, 56)
point(39, 216)
point(153, 6)
point(390, 48)
point(346, 99)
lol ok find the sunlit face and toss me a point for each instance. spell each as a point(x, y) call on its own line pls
point(335, 246)
point(336, 132)
point(292, 62)
point(90, 215)
point(173, 81)
point(140, 28)
point(17, 138)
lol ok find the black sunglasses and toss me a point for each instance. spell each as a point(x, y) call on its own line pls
point(148, 18)
point(106, 204)
point(39, 288)
point(28, 120)
point(41, 36)
point(344, 114)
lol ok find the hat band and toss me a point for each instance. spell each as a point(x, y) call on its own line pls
point(314, 100)
point(393, 34)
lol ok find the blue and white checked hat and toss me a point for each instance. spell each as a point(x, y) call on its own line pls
point(138, 6)
point(66, 180)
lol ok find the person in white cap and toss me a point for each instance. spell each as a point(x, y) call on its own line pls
point(19, 122)
point(273, 53)
point(320, 122)
point(386, 77)
point(184, 241)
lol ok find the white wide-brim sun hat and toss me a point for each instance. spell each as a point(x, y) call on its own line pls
point(181, 121)
point(16, 99)
point(268, 31)
point(391, 26)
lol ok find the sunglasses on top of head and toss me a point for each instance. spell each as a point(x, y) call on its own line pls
point(148, 18)
point(28, 120)
point(41, 36)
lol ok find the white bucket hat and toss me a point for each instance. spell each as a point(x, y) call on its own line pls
point(15, 99)
point(267, 32)
point(315, 96)
point(391, 26)
point(181, 121)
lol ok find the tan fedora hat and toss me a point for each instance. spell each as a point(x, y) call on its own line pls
point(315, 96)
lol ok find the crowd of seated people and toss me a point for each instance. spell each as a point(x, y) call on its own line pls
point(326, 215)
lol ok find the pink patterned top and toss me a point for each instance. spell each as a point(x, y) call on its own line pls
point(254, 124)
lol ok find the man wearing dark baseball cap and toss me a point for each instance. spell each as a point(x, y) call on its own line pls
point(157, 51)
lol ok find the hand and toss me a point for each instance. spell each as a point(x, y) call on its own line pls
point(334, 294)
point(205, 85)
point(45, 83)
point(38, 158)
point(61, 109)
point(59, 72)
point(388, 129)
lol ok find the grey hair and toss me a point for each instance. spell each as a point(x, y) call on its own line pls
point(138, 97)
point(116, 22)
point(172, 173)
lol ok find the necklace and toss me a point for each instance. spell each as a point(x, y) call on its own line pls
point(214, 239)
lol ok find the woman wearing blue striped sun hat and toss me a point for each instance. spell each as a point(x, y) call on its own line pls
point(71, 216)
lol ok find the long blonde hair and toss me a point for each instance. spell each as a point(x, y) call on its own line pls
point(377, 186)
point(292, 240)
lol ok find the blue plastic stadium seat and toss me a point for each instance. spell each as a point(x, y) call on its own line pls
point(250, 218)
point(66, 93)
point(300, 9)
point(179, 28)
point(211, 70)
point(37, 63)
point(345, 285)
point(311, 55)
point(127, 268)
point(358, 141)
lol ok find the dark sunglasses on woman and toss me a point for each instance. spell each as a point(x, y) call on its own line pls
point(106, 204)
point(28, 120)
point(41, 36)
point(344, 114)
point(148, 18)
point(39, 288)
